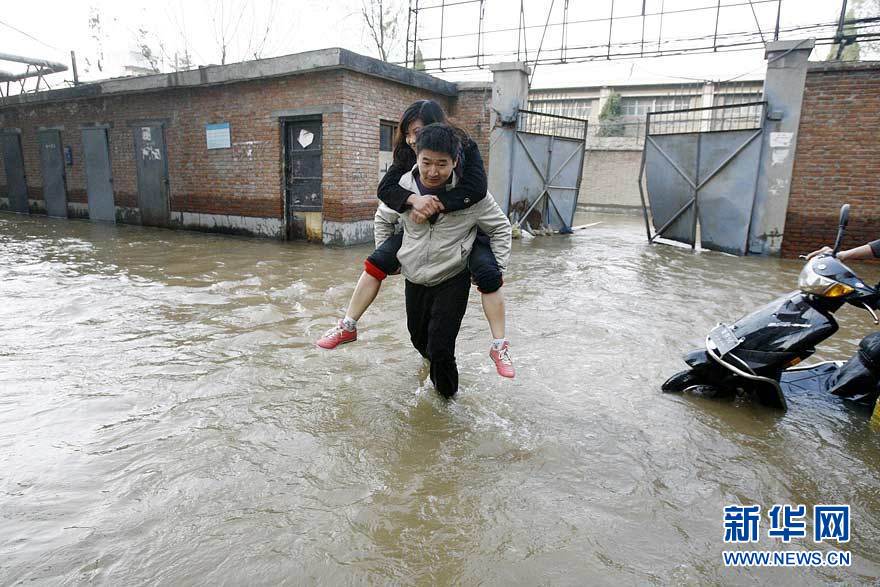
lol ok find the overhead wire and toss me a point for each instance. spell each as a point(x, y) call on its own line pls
point(742, 40)
point(28, 35)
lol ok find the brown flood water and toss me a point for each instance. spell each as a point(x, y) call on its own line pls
point(166, 419)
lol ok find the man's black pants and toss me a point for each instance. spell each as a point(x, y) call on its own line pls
point(433, 316)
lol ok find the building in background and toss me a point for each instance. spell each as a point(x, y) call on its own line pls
point(287, 147)
point(615, 142)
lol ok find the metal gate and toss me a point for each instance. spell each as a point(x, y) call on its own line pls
point(13, 163)
point(52, 164)
point(546, 169)
point(99, 181)
point(303, 172)
point(152, 172)
point(700, 166)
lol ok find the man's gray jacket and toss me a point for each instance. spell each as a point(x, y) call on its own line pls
point(432, 253)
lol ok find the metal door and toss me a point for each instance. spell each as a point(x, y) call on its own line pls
point(303, 168)
point(52, 162)
point(547, 168)
point(152, 170)
point(696, 175)
point(99, 181)
point(16, 182)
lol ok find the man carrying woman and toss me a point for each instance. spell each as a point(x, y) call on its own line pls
point(469, 189)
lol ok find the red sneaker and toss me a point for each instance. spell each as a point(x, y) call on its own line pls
point(503, 362)
point(337, 336)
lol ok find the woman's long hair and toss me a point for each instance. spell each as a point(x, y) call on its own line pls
point(429, 112)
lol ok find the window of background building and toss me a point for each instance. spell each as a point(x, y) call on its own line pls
point(728, 99)
point(736, 118)
point(386, 146)
point(575, 108)
point(643, 105)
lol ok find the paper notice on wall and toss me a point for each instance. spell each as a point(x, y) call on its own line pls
point(305, 138)
point(146, 134)
point(218, 136)
point(778, 156)
point(781, 139)
point(149, 153)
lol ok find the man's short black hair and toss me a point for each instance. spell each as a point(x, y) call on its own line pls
point(439, 137)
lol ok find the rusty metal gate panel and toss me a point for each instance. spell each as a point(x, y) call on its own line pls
point(52, 164)
point(698, 176)
point(16, 181)
point(99, 181)
point(152, 173)
point(546, 168)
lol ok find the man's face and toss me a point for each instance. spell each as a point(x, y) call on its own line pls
point(434, 167)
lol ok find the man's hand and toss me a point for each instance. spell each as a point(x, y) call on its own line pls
point(423, 207)
point(822, 251)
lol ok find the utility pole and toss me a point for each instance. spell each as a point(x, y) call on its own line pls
point(73, 63)
point(840, 41)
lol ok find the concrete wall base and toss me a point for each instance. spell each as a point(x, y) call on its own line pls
point(37, 206)
point(610, 209)
point(348, 233)
point(229, 224)
point(77, 210)
point(333, 233)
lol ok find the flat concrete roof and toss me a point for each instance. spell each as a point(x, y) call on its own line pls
point(296, 64)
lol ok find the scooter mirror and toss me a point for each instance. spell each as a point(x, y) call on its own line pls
point(841, 227)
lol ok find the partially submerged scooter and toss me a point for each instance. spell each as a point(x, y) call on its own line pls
point(757, 354)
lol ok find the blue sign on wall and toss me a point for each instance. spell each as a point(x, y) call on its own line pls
point(217, 136)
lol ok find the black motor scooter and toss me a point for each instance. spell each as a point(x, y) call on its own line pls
point(758, 353)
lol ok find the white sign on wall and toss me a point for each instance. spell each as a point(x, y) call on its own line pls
point(217, 136)
point(781, 139)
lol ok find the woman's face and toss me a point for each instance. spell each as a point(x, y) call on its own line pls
point(412, 132)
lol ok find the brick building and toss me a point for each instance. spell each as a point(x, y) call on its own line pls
point(288, 147)
point(838, 157)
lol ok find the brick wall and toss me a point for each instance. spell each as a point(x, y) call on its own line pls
point(243, 180)
point(837, 159)
point(471, 110)
point(247, 179)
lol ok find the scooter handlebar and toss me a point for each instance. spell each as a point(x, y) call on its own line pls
point(841, 228)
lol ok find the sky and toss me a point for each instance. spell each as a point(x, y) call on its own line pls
point(106, 34)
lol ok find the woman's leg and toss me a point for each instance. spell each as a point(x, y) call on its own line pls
point(381, 262)
point(493, 308)
point(487, 275)
point(365, 292)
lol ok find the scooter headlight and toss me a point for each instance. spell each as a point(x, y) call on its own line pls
point(811, 282)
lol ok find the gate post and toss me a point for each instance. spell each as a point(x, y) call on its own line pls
point(510, 93)
point(783, 91)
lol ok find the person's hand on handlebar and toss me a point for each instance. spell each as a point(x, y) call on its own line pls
point(856, 254)
point(823, 251)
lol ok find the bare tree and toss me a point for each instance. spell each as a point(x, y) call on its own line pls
point(145, 49)
point(867, 9)
point(228, 33)
point(226, 30)
point(96, 34)
point(382, 20)
point(859, 10)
